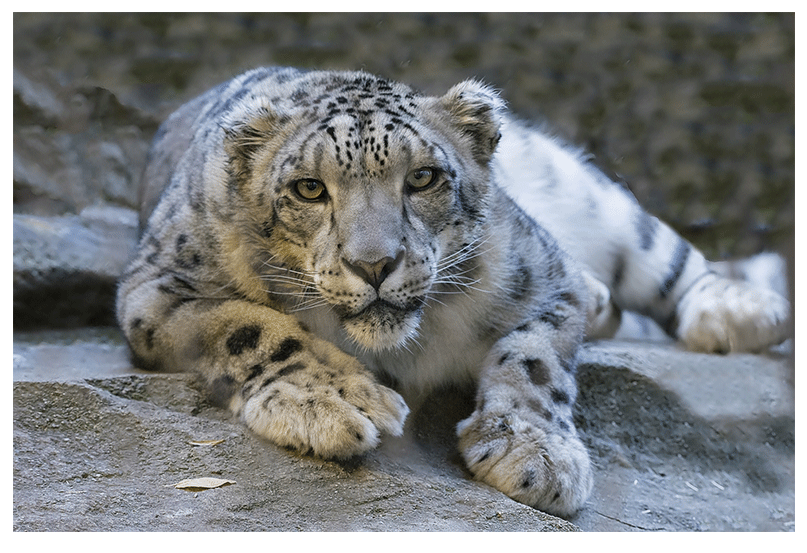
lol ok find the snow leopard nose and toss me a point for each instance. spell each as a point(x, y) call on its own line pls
point(375, 272)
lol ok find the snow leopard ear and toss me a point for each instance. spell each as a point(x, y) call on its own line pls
point(244, 134)
point(477, 110)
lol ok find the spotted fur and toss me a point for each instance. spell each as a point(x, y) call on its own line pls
point(307, 232)
point(633, 261)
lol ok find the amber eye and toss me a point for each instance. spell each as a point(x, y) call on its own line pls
point(418, 179)
point(310, 189)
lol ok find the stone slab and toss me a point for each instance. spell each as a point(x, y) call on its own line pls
point(679, 441)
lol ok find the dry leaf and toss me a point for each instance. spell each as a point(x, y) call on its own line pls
point(201, 484)
point(205, 442)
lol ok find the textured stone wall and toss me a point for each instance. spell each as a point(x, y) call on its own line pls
point(694, 111)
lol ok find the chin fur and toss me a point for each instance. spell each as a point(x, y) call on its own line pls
point(382, 327)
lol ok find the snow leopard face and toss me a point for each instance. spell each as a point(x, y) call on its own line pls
point(362, 195)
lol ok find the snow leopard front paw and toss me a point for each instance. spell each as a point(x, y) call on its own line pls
point(723, 315)
point(335, 411)
point(546, 470)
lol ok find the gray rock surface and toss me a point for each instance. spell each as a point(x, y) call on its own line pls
point(680, 441)
point(66, 267)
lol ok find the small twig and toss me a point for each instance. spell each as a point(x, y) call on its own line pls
point(628, 523)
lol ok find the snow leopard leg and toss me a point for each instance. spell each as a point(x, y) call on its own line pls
point(647, 267)
point(655, 272)
point(287, 385)
point(521, 438)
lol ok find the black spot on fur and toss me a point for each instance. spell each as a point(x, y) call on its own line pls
point(176, 286)
point(618, 272)
point(559, 396)
point(287, 348)
point(552, 319)
point(569, 298)
point(245, 338)
point(537, 371)
point(188, 259)
point(289, 369)
point(181, 284)
point(285, 371)
point(522, 281)
point(272, 395)
point(677, 264)
point(535, 405)
point(254, 371)
point(529, 478)
point(149, 338)
point(646, 226)
point(467, 201)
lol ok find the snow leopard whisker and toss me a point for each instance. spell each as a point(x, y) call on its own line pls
point(430, 298)
point(288, 270)
point(459, 282)
point(469, 251)
point(458, 278)
point(304, 293)
point(310, 304)
point(447, 275)
point(286, 281)
point(454, 266)
point(459, 289)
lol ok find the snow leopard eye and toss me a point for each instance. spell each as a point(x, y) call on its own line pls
point(310, 189)
point(420, 179)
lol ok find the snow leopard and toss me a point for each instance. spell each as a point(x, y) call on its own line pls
point(317, 244)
